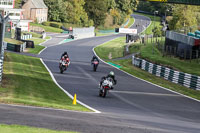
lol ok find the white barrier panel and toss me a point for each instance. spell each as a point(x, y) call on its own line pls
point(127, 30)
point(83, 32)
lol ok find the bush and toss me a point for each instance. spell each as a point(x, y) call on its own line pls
point(67, 25)
point(46, 23)
point(56, 25)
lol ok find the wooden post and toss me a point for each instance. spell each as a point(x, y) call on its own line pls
point(163, 51)
point(197, 56)
point(190, 55)
point(175, 53)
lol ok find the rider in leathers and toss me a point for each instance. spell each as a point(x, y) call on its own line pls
point(65, 56)
point(111, 75)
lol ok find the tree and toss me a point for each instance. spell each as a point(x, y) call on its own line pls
point(183, 16)
point(77, 13)
point(55, 10)
point(157, 31)
point(111, 4)
point(127, 5)
point(70, 11)
point(96, 10)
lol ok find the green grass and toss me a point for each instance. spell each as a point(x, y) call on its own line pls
point(128, 67)
point(130, 23)
point(38, 47)
point(35, 50)
point(26, 129)
point(13, 41)
point(146, 53)
point(113, 48)
point(48, 28)
point(192, 67)
point(157, 22)
point(34, 34)
point(26, 81)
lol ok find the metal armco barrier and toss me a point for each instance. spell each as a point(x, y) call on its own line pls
point(185, 79)
point(15, 47)
point(3, 22)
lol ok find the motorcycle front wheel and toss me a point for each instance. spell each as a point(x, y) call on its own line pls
point(100, 93)
point(104, 92)
point(94, 68)
point(62, 68)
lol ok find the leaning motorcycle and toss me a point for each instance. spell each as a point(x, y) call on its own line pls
point(95, 64)
point(105, 87)
point(63, 65)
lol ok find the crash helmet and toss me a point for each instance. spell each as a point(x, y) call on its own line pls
point(66, 56)
point(112, 74)
point(65, 53)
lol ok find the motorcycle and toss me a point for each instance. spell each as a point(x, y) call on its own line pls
point(105, 87)
point(95, 64)
point(63, 65)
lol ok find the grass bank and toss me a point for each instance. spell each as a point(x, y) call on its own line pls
point(48, 28)
point(187, 66)
point(26, 129)
point(146, 53)
point(13, 41)
point(115, 49)
point(112, 49)
point(128, 67)
point(26, 81)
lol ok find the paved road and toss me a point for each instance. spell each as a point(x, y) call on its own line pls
point(134, 106)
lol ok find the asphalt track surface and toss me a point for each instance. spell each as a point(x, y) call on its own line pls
point(134, 106)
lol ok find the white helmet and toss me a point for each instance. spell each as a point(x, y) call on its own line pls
point(112, 73)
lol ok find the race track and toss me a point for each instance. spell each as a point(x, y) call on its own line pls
point(134, 106)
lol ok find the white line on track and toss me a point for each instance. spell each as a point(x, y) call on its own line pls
point(44, 108)
point(145, 93)
point(145, 80)
point(42, 50)
point(53, 78)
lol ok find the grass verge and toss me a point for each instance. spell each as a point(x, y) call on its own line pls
point(128, 67)
point(48, 28)
point(130, 23)
point(187, 66)
point(146, 51)
point(26, 81)
point(26, 129)
point(38, 47)
point(112, 49)
point(13, 41)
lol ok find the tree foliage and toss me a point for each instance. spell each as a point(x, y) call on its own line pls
point(150, 7)
point(97, 10)
point(89, 12)
point(184, 16)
